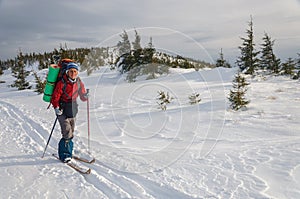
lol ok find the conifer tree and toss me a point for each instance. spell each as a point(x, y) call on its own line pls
point(163, 100)
point(297, 76)
point(40, 85)
point(268, 59)
point(150, 44)
point(248, 61)
point(288, 67)
point(298, 62)
point(237, 94)
point(20, 73)
point(194, 98)
point(124, 45)
point(135, 58)
point(221, 62)
point(137, 42)
point(149, 52)
point(42, 64)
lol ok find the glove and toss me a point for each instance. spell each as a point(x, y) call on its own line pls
point(58, 112)
point(86, 95)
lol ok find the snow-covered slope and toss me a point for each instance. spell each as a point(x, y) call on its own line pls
point(187, 151)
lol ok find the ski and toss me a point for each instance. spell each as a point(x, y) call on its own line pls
point(76, 167)
point(84, 159)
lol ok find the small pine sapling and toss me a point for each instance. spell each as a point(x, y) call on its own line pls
point(163, 100)
point(237, 94)
point(194, 98)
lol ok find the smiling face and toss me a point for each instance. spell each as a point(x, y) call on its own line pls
point(72, 73)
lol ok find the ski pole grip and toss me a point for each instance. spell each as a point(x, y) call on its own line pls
point(87, 90)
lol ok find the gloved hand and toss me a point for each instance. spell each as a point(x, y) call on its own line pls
point(86, 95)
point(58, 112)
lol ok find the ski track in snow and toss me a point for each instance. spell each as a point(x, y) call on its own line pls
point(108, 182)
point(32, 131)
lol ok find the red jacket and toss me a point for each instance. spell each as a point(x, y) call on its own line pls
point(67, 91)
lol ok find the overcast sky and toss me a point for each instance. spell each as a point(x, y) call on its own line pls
point(195, 28)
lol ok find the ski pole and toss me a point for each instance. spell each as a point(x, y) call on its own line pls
point(50, 136)
point(88, 118)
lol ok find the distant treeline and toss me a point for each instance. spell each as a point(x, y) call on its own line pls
point(95, 57)
point(46, 58)
point(127, 55)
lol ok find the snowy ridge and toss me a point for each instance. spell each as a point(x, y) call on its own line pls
point(199, 151)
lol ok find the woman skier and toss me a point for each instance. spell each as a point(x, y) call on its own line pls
point(64, 96)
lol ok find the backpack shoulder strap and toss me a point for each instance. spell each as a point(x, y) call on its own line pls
point(64, 88)
point(78, 81)
point(65, 84)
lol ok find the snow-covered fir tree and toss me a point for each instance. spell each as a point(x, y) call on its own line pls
point(20, 73)
point(248, 61)
point(163, 100)
point(221, 62)
point(288, 67)
point(40, 84)
point(124, 45)
point(298, 61)
point(137, 42)
point(297, 76)
point(149, 51)
point(94, 59)
point(194, 98)
point(237, 94)
point(268, 60)
point(135, 59)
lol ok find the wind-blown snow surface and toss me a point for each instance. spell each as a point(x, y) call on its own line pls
point(188, 151)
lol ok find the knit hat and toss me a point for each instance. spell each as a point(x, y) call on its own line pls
point(72, 65)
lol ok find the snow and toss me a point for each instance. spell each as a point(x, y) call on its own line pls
point(187, 151)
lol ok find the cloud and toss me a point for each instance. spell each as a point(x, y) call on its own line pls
point(42, 25)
